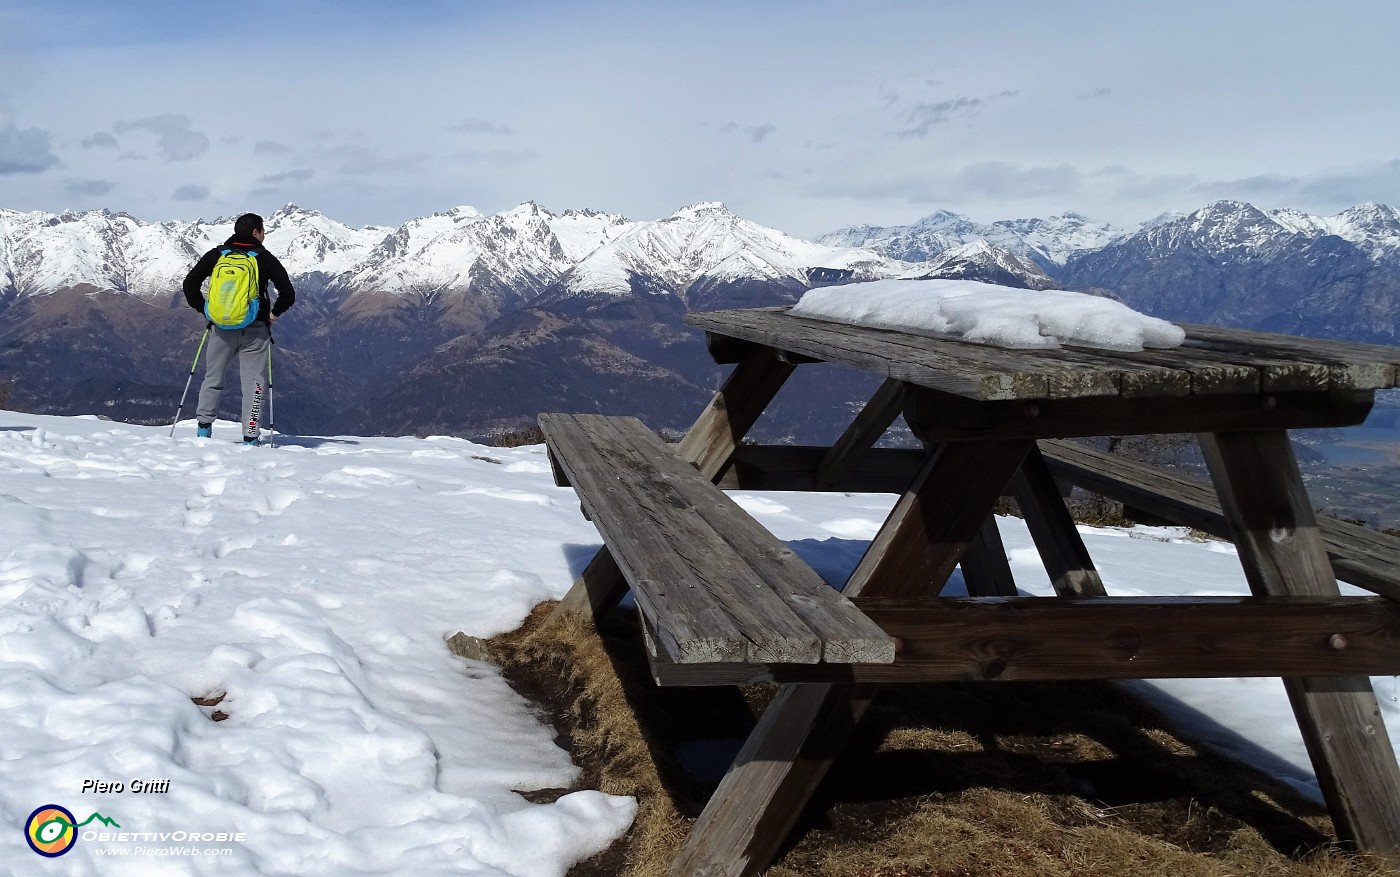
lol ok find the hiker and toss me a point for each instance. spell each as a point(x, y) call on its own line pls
point(240, 316)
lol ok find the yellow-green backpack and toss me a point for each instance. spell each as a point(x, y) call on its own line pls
point(233, 289)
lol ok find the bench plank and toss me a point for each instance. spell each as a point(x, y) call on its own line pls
point(714, 583)
point(1366, 558)
point(692, 633)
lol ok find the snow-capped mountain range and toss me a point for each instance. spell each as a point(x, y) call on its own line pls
point(464, 323)
point(1218, 228)
point(585, 252)
point(526, 248)
point(1047, 242)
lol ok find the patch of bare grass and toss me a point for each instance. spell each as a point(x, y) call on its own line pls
point(1007, 779)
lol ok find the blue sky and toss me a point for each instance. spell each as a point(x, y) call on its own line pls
point(805, 116)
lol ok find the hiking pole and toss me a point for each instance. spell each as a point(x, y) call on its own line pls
point(271, 425)
point(194, 365)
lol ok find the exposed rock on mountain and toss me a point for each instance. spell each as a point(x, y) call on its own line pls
point(462, 322)
point(1233, 264)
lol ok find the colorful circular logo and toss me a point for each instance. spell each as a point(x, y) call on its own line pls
point(50, 830)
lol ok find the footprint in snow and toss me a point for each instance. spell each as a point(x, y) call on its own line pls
point(234, 543)
point(197, 519)
point(133, 566)
point(275, 503)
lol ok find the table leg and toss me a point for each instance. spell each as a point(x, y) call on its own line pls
point(1052, 529)
point(1282, 552)
point(758, 801)
point(733, 410)
point(984, 565)
point(708, 445)
point(598, 590)
point(863, 433)
point(932, 524)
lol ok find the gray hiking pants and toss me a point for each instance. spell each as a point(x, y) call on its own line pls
point(253, 346)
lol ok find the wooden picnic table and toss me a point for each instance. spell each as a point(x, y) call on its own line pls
point(723, 602)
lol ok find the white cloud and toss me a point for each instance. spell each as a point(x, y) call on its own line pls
point(980, 180)
point(473, 125)
point(1334, 189)
point(25, 150)
point(100, 140)
point(175, 139)
point(297, 175)
point(190, 192)
point(502, 157)
point(596, 105)
point(922, 117)
point(88, 188)
point(364, 161)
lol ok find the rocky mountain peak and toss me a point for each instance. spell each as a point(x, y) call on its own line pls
point(703, 209)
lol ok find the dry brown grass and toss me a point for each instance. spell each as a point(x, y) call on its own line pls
point(567, 670)
point(1014, 780)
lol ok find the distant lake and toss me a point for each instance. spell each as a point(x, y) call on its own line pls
point(1362, 446)
point(1360, 473)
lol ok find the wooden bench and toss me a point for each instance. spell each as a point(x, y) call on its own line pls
point(1364, 557)
point(712, 585)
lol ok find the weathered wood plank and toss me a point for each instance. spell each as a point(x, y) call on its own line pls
point(753, 809)
point(1349, 365)
point(1040, 639)
point(1277, 374)
point(972, 370)
point(1186, 501)
point(858, 438)
point(1321, 349)
point(733, 411)
point(1136, 376)
point(690, 624)
point(1213, 360)
point(596, 592)
point(709, 576)
point(926, 534)
point(1210, 372)
point(1056, 537)
point(707, 445)
point(782, 762)
point(734, 563)
point(1365, 558)
point(986, 570)
point(891, 357)
point(1282, 553)
point(939, 417)
point(797, 467)
point(794, 589)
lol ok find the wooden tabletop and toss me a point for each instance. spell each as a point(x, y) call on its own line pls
point(1212, 361)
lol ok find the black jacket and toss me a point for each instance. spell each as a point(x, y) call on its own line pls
point(268, 269)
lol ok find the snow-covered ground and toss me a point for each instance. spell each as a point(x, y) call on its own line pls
point(314, 584)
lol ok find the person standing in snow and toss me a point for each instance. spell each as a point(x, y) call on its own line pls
point(252, 343)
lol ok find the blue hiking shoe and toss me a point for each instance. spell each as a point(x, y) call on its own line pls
point(205, 430)
point(251, 440)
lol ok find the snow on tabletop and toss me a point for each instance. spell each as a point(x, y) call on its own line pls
point(991, 314)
